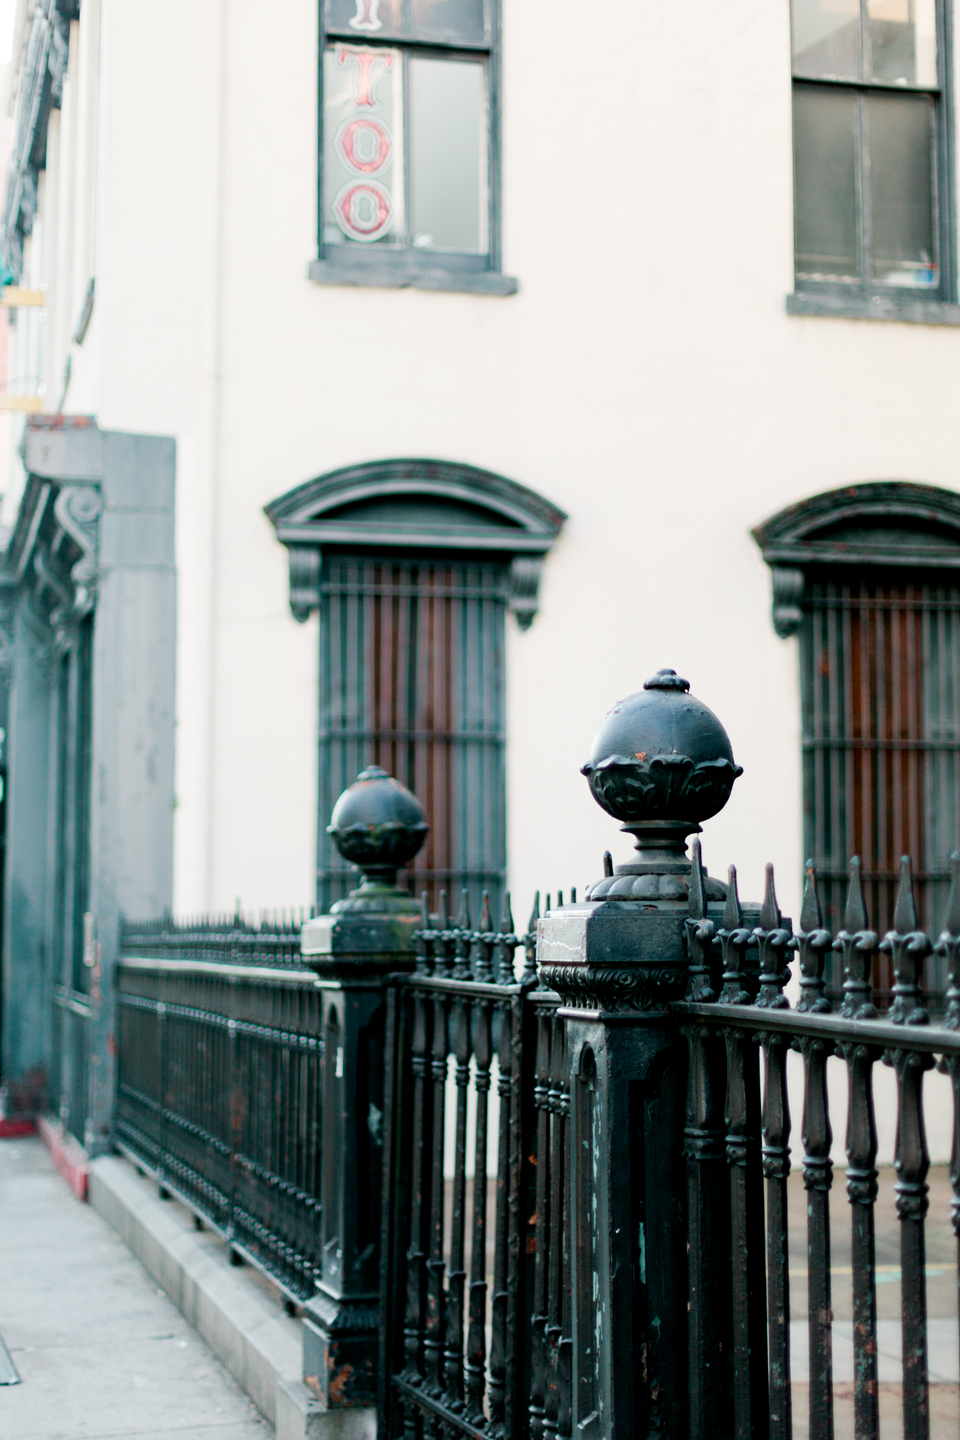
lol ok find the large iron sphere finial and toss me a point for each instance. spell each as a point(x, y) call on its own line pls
point(660, 763)
point(378, 825)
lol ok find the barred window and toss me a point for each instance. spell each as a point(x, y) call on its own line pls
point(871, 141)
point(869, 578)
point(412, 678)
point(413, 566)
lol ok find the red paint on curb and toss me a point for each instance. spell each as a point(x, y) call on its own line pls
point(16, 1129)
point(67, 1154)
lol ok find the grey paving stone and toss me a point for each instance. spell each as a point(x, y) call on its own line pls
point(102, 1353)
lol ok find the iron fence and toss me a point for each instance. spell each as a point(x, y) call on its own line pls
point(218, 1091)
point(737, 1145)
point(475, 1300)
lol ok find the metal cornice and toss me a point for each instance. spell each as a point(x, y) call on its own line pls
point(514, 507)
point(794, 537)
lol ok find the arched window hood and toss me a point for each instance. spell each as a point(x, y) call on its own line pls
point(416, 505)
point(893, 523)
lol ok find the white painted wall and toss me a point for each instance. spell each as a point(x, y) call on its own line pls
point(646, 378)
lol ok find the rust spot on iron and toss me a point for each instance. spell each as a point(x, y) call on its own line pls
point(339, 1384)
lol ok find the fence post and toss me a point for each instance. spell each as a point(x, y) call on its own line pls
point(379, 826)
point(660, 763)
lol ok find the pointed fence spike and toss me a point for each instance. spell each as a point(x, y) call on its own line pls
point(905, 917)
point(811, 915)
point(506, 919)
point(732, 914)
point(463, 919)
point(769, 911)
point(698, 899)
point(534, 913)
point(573, 894)
point(547, 907)
point(855, 915)
point(485, 927)
point(443, 922)
point(559, 899)
point(951, 922)
point(607, 864)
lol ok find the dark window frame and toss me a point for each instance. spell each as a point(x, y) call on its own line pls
point(868, 578)
point(865, 299)
point(356, 537)
point(407, 266)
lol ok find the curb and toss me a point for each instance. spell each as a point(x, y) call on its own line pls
point(233, 1311)
point(67, 1154)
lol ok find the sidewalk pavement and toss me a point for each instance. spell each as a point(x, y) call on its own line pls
point(102, 1353)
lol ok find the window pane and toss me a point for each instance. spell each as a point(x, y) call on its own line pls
point(362, 145)
point(449, 20)
point(826, 38)
point(901, 189)
point(365, 17)
point(903, 40)
point(825, 156)
point(447, 132)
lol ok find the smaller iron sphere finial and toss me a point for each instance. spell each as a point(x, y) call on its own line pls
point(378, 825)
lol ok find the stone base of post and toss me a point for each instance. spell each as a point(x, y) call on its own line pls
point(340, 1350)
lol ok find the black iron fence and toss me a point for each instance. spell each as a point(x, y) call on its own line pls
point(555, 1195)
point(218, 1094)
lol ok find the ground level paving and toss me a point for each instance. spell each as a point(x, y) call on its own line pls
point(101, 1352)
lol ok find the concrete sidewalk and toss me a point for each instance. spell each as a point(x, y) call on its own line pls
point(102, 1353)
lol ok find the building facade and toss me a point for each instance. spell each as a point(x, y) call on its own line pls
point(485, 348)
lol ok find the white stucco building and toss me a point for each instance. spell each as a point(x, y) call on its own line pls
point(662, 275)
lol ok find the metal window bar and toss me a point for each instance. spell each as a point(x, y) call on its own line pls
point(412, 678)
point(880, 666)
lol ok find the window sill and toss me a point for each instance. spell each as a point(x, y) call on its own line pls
point(398, 273)
point(874, 307)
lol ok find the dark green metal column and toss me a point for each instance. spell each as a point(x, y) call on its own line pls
point(377, 825)
point(661, 762)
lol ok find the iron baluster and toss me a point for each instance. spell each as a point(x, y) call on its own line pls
point(817, 1179)
point(773, 941)
point(445, 946)
point(738, 987)
point(858, 945)
point(529, 943)
point(422, 1104)
point(553, 1329)
point(436, 1297)
point(500, 1297)
point(948, 946)
point(907, 946)
point(457, 1278)
point(464, 939)
point(708, 1191)
point(565, 1342)
point(538, 1320)
point(486, 940)
point(507, 942)
point(700, 933)
point(812, 943)
point(742, 1120)
point(475, 1368)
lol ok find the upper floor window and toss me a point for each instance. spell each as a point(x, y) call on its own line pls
point(871, 171)
point(409, 189)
